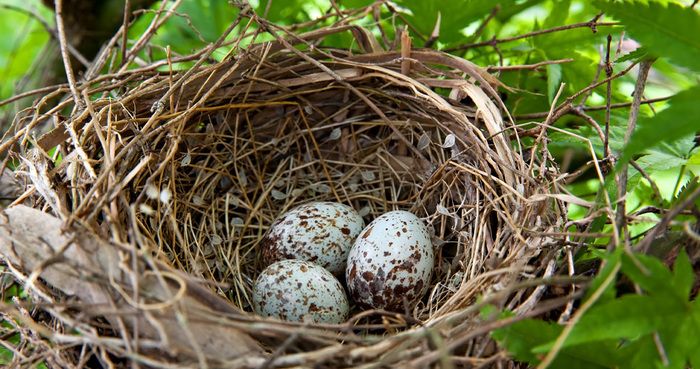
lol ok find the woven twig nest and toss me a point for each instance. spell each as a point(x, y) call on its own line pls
point(142, 232)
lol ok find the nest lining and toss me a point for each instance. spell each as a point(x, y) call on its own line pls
point(191, 169)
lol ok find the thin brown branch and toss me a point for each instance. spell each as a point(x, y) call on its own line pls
point(486, 21)
point(37, 91)
point(608, 99)
point(645, 175)
point(567, 106)
point(644, 245)
point(620, 218)
point(435, 35)
point(592, 122)
point(594, 85)
point(161, 16)
point(125, 28)
point(543, 114)
point(593, 24)
point(528, 66)
point(63, 42)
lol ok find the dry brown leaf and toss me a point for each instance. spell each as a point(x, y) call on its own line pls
point(82, 265)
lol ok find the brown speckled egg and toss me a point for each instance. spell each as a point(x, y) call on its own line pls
point(299, 291)
point(390, 262)
point(319, 232)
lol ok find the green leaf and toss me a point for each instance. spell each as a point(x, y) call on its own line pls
point(629, 316)
point(680, 119)
point(695, 354)
point(640, 353)
point(610, 266)
point(680, 340)
point(651, 275)
point(687, 190)
point(284, 12)
point(662, 157)
point(553, 80)
point(558, 14)
point(683, 275)
point(520, 338)
point(669, 29)
point(356, 3)
point(635, 55)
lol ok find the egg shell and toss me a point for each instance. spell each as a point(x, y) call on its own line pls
point(391, 260)
point(299, 291)
point(319, 232)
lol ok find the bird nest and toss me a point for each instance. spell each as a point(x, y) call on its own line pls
point(137, 238)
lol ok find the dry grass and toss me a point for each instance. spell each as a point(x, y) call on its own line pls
point(184, 172)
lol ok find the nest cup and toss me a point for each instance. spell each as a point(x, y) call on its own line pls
point(177, 180)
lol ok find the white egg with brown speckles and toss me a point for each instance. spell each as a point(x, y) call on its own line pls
point(319, 232)
point(299, 291)
point(390, 264)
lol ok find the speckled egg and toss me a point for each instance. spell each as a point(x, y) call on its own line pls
point(390, 262)
point(300, 291)
point(319, 232)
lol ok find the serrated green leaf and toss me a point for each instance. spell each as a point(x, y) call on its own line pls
point(693, 164)
point(635, 55)
point(629, 316)
point(681, 148)
point(669, 29)
point(687, 190)
point(662, 157)
point(654, 162)
point(680, 119)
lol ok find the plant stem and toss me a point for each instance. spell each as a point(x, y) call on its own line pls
point(620, 218)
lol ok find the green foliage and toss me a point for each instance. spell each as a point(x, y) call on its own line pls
point(285, 12)
point(679, 120)
point(454, 15)
point(635, 55)
point(662, 157)
point(553, 81)
point(22, 41)
point(669, 29)
point(619, 332)
point(196, 24)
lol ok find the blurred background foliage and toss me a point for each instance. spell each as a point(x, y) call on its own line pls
point(485, 32)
